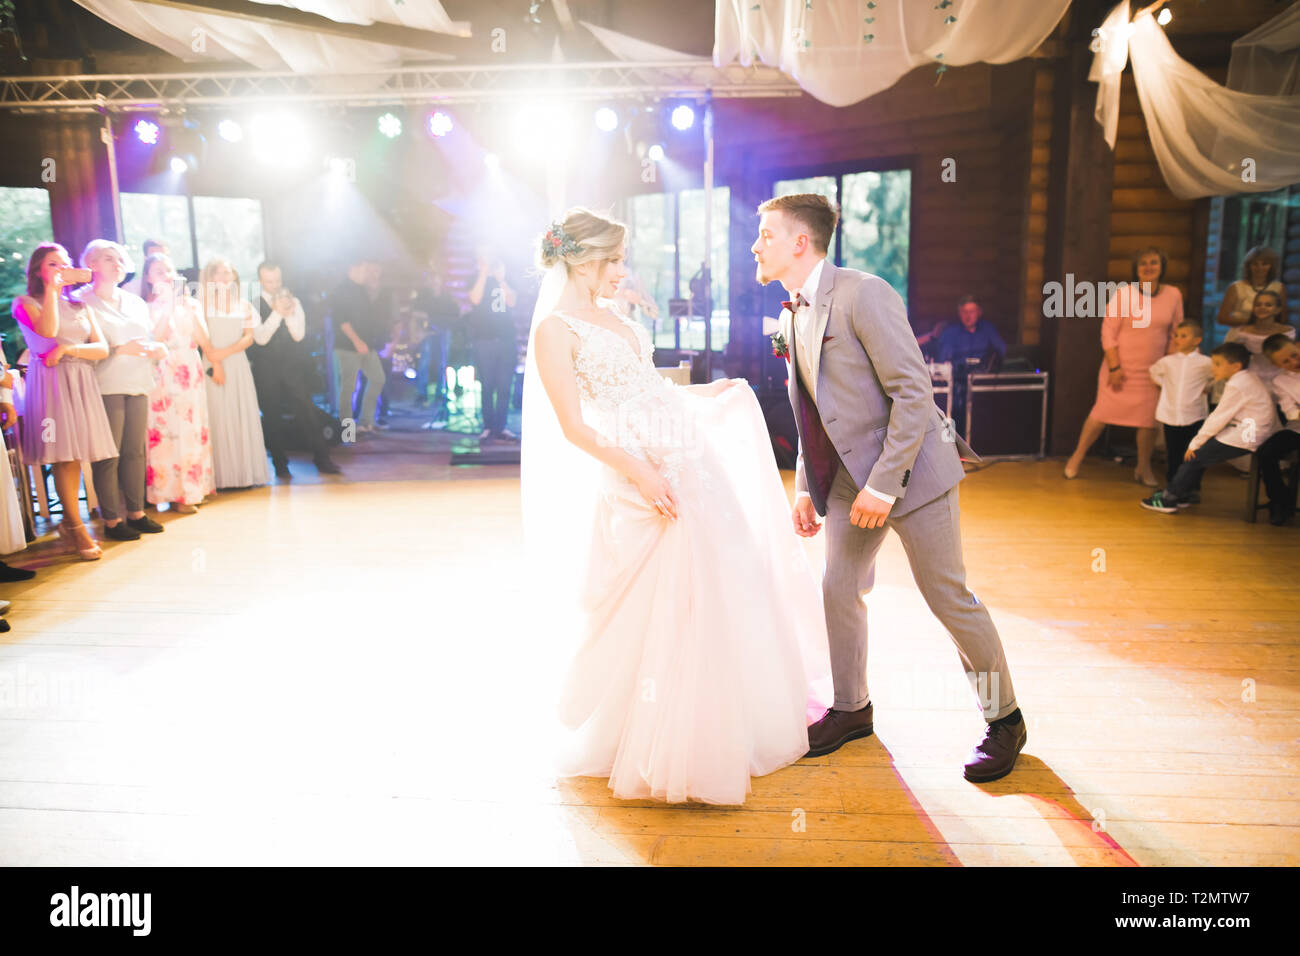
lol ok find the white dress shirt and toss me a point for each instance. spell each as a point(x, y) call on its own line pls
point(804, 324)
point(1286, 389)
point(1184, 379)
point(1246, 409)
point(295, 322)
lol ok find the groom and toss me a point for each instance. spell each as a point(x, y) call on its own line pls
point(874, 452)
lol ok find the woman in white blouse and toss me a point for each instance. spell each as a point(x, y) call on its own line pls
point(126, 378)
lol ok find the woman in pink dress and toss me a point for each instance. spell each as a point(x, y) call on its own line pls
point(180, 458)
point(1137, 330)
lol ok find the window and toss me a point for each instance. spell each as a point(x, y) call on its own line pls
point(875, 220)
point(875, 224)
point(162, 217)
point(24, 224)
point(231, 229)
point(666, 250)
point(1238, 224)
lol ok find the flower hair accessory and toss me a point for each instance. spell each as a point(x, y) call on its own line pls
point(557, 243)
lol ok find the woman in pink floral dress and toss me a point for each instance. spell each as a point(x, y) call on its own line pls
point(180, 458)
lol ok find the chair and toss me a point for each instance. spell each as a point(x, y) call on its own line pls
point(1254, 481)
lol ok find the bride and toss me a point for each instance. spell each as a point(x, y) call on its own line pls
point(659, 539)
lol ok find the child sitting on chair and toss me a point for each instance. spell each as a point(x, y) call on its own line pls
point(1243, 420)
point(1285, 355)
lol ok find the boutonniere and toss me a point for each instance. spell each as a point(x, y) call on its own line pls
point(826, 338)
point(779, 347)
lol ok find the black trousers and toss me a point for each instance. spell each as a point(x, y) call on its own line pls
point(1271, 454)
point(282, 392)
point(494, 364)
point(1177, 438)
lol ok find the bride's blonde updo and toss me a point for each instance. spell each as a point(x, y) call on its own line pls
point(583, 236)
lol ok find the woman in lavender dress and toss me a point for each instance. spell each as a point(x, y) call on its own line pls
point(64, 423)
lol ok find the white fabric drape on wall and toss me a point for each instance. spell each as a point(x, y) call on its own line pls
point(824, 45)
point(269, 47)
point(1267, 59)
point(1209, 140)
point(1111, 49)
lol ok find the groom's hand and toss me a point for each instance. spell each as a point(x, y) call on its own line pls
point(805, 517)
point(868, 511)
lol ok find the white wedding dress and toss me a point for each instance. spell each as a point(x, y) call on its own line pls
point(700, 650)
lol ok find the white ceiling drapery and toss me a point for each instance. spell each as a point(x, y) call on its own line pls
point(1267, 59)
point(273, 47)
point(1209, 140)
point(843, 51)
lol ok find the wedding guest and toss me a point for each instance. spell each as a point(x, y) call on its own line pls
point(279, 360)
point(150, 247)
point(179, 470)
point(1285, 385)
point(13, 537)
point(1183, 377)
point(64, 421)
point(1259, 273)
point(496, 352)
point(125, 381)
point(971, 337)
point(1265, 321)
point(362, 319)
point(234, 422)
point(1241, 422)
point(435, 313)
point(1140, 319)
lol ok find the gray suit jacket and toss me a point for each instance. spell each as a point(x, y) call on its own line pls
point(874, 393)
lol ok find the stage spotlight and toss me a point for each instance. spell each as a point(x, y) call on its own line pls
point(179, 165)
point(656, 153)
point(1164, 17)
point(439, 124)
point(683, 117)
point(230, 131)
point(147, 132)
point(390, 125)
point(279, 139)
point(492, 161)
point(606, 119)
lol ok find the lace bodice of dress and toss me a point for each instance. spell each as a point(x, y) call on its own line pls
point(625, 399)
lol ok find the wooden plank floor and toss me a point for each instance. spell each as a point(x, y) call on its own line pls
point(344, 672)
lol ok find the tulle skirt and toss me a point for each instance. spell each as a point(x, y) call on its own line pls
point(702, 654)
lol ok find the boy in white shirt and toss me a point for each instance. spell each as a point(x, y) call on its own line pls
point(1285, 355)
point(1243, 420)
point(1184, 377)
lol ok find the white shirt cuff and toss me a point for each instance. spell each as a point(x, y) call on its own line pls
point(882, 496)
point(801, 494)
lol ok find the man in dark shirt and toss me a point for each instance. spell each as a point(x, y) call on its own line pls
point(435, 312)
point(279, 361)
point(492, 329)
point(970, 338)
point(362, 325)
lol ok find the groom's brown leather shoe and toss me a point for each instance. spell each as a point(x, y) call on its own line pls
point(836, 728)
point(995, 755)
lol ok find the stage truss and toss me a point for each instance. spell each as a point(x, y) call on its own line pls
point(418, 85)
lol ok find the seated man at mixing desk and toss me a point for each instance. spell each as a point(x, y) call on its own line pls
point(969, 344)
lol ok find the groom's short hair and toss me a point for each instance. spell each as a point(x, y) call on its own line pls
point(813, 211)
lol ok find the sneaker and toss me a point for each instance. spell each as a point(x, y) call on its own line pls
point(508, 435)
point(1160, 501)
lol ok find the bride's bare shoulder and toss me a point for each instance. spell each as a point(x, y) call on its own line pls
point(555, 331)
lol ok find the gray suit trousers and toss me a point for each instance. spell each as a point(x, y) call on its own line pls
point(931, 536)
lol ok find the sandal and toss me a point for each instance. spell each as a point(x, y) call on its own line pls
point(68, 534)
